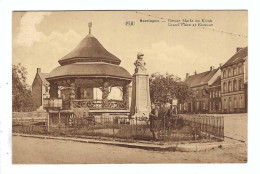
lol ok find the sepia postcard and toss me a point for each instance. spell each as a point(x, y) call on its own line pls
point(124, 87)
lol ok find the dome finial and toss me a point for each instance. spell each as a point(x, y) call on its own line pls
point(89, 26)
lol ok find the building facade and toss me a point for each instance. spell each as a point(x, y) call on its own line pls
point(233, 92)
point(215, 105)
point(40, 88)
point(201, 84)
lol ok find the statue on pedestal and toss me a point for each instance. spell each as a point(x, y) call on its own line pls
point(140, 104)
point(140, 63)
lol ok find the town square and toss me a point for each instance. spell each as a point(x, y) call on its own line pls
point(88, 89)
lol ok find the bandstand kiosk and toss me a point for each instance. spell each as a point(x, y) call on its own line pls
point(86, 67)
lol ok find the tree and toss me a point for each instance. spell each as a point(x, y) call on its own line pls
point(21, 95)
point(165, 87)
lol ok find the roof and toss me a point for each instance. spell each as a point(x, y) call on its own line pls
point(43, 77)
point(239, 56)
point(200, 79)
point(217, 82)
point(89, 50)
point(86, 69)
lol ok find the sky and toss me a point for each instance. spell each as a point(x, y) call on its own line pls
point(40, 39)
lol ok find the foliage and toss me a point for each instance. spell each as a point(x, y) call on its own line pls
point(21, 95)
point(165, 87)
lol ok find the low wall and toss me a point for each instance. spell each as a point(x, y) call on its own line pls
point(29, 115)
point(220, 115)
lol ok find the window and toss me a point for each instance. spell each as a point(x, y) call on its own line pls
point(210, 105)
point(235, 102)
point(210, 94)
point(224, 73)
point(235, 71)
point(240, 84)
point(225, 104)
point(229, 86)
point(241, 102)
point(204, 105)
point(230, 103)
point(213, 105)
point(198, 105)
point(224, 87)
point(229, 73)
point(213, 94)
point(235, 85)
point(240, 70)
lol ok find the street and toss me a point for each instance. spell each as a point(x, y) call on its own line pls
point(48, 151)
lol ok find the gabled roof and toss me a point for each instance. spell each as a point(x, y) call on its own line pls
point(200, 79)
point(217, 82)
point(43, 77)
point(239, 56)
point(89, 50)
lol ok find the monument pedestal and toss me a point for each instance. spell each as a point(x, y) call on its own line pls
point(140, 105)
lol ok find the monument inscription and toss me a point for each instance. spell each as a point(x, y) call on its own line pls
point(140, 106)
point(143, 92)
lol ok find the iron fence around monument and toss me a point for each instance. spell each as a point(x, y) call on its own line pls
point(179, 128)
point(212, 126)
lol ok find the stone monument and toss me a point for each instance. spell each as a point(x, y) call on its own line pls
point(140, 105)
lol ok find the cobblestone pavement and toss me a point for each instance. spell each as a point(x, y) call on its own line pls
point(49, 151)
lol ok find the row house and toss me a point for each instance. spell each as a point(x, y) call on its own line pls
point(203, 85)
point(215, 105)
point(234, 83)
point(40, 89)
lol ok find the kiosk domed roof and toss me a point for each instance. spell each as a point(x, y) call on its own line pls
point(89, 50)
point(88, 69)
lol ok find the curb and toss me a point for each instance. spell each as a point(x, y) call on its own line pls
point(195, 147)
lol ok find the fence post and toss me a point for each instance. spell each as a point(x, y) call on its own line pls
point(113, 123)
point(48, 122)
point(135, 125)
point(195, 133)
point(59, 115)
point(163, 125)
point(218, 126)
point(222, 126)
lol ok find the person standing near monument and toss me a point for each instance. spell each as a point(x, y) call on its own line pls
point(153, 116)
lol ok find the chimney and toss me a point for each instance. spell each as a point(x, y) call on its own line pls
point(220, 65)
point(195, 72)
point(211, 68)
point(38, 70)
point(239, 48)
point(187, 75)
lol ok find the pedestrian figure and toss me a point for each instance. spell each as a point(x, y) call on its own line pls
point(153, 116)
point(166, 111)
